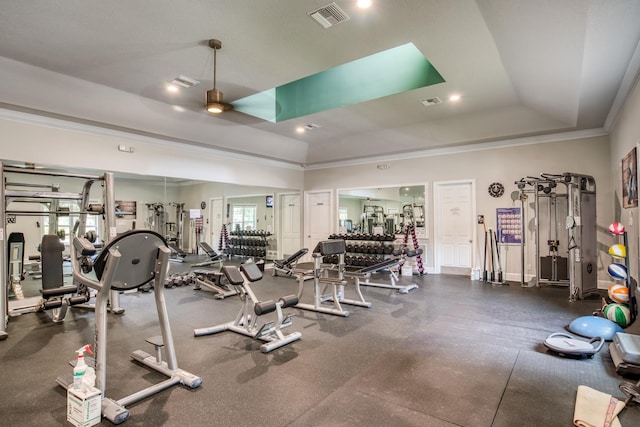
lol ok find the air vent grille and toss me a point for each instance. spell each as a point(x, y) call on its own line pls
point(431, 101)
point(184, 81)
point(329, 15)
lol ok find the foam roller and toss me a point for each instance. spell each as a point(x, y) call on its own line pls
point(289, 301)
point(265, 307)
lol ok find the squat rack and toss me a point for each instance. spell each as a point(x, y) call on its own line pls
point(33, 193)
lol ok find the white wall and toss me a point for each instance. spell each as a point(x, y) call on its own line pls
point(589, 156)
point(624, 136)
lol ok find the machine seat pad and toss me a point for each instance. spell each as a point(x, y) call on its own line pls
point(332, 247)
point(211, 253)
point(233, 275)
point(56, 292)
point(252, 271)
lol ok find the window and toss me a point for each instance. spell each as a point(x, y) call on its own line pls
point(344, 221)
point(244, 217)
point(67, 222)
point(343, 214)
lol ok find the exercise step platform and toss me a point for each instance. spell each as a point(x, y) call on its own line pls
point(625, 352)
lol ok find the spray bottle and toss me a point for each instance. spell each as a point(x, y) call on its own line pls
point(81, 367)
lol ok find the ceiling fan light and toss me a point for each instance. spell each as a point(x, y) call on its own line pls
point(215, 108)
point(215, 104)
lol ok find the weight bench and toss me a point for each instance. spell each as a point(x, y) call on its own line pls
point(337, 282)
point(214, 257)
point(245, 322)
point(288, 265)
point(177, 255)
point(392, 265)
point(212, 280)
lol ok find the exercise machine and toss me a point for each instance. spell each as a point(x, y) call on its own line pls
point(156, 218)
point(57, 296)
point(13, 193)
point(214, 281)
point(330, 276)
point(15, 263)
point(175, 230)
point(129, 261)
point(373, 217)
point(246, 322)
point(573, 209)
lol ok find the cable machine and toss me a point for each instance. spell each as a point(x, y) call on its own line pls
point(373, 216)
point(16, 192)
point(157, 218)
point(575, 210)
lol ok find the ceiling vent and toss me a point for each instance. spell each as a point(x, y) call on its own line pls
point(311, 126)
point(184, 81)
point(431, 101)
point(329, 15)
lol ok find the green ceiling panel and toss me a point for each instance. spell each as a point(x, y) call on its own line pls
point(389, 72)
point(261, 105)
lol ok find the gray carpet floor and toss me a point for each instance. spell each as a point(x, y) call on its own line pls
point(453, 352)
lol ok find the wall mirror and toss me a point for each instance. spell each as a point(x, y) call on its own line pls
point(184, 211)
point(382, 210)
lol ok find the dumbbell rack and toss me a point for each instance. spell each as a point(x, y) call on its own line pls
point(364, 250)
point(248, 243)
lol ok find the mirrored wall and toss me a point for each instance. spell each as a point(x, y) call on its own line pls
point(186, 212)
point(382, 210)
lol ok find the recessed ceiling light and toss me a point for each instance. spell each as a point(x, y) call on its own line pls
point(454, 97)
point(363, 4)
point(172, 88)
point(300, 129)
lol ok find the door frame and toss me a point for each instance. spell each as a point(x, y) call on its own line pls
point(279, 215)
point(306, 211)
point(437, 218)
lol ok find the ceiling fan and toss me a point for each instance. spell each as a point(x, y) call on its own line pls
point(215, 102)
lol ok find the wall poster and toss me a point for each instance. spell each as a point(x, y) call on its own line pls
point(509, 226)
point(629, 179)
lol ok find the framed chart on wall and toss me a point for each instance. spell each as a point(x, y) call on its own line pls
point(629, 179)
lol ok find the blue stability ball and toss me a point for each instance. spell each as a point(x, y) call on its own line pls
point(594, 326)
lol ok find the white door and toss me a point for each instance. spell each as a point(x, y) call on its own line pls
point(216, 220)
point(454, 214)
point(289, 224)
point(318, 222)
